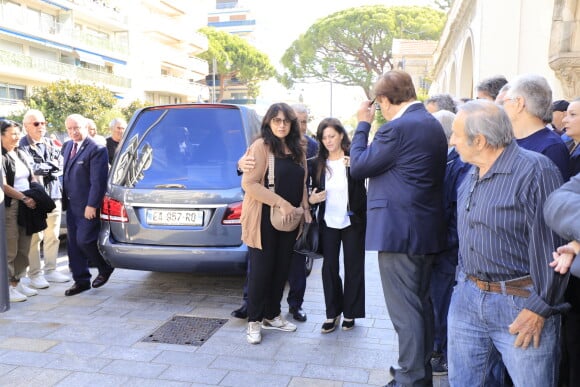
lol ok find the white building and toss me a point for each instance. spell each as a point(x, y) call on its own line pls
point(137, 48)
point(483, 38)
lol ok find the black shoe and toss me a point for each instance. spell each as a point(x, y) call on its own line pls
point(439, 364)
point(330, 325)
point(392, 383)
point(347, 325)
point(298, 314)
point(102, 279)
point(78, 287)
point(241, 312)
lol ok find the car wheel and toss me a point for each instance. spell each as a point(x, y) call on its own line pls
point(309, 262)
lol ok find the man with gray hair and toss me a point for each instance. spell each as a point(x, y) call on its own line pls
point(440, 102)
point(489, 88)
point(117, 127)
point(528, 103)
point(445, 262)
point(507, 296)
point(48, 169)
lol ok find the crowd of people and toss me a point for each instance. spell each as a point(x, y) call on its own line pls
point(472, 206)
point(464, 201)
point(42, 179)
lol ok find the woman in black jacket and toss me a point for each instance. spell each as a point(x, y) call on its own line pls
point(17, 178)
point(341, 204)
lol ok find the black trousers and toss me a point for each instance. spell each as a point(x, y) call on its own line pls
point(349, 301)
point(269, 271)
point(569, 367)
point(296, 281)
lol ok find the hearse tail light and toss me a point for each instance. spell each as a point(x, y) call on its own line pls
point(233, 214)
point(113, 211)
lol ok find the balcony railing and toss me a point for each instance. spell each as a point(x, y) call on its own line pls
point(42, 66)
point(63, 33)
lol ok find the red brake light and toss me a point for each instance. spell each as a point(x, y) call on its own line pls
point(233, 214)
point(113, 211)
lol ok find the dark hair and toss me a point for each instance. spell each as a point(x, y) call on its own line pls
point(5, 124)
point(397, 86)
point(293, 139)
point(492, 86)
point(322, 151)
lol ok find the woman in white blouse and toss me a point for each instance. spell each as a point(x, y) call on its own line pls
point(17, 177)
point(341, 204)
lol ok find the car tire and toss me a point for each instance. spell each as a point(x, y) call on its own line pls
point(308, 263)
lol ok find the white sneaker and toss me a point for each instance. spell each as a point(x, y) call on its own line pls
point(39, 282)
point(55, 276)
point(253, 333)
point(278, 323)
point(15, 295)
point(23, 289)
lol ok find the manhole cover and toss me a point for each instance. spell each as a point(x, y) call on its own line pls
point(186, 330)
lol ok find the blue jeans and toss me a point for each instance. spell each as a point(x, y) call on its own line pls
point(478, 338)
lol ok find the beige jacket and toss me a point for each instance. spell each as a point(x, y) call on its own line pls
point(257, 194)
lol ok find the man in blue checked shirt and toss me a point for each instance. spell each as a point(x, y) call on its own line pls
point(508, 301)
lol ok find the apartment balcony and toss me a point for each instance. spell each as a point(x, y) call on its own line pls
point(170, 8)
point(191, 91)
point(105, 12)
point(65, 35)
point(169, 32)
point(45, 71)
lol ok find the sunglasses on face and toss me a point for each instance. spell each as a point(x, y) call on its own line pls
point(37, 123)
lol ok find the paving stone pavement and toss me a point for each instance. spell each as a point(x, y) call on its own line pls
point(95, 338)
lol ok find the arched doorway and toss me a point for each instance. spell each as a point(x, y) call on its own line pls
point(466, 80)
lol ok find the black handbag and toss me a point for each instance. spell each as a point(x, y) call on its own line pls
point(309, 241)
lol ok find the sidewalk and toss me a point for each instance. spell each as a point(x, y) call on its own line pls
point(95, 338)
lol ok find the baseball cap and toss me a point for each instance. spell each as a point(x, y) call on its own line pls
point(560, 105)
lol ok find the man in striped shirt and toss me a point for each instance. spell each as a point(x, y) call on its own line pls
point(507, 297)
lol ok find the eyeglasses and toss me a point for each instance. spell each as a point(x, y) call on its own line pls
point(303, 122)
point(37, 123)
point(278, 121)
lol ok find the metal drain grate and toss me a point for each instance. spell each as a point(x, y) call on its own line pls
point(186, 330)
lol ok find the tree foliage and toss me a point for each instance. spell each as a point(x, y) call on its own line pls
point(236, 58)
point(59, 99)
point(132, 108)
point(356, 44)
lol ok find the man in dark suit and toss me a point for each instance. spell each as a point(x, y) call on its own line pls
point(405, 164)
point(84, 185)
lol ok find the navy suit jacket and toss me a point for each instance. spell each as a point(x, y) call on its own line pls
point(405, 164)
point(84, 176)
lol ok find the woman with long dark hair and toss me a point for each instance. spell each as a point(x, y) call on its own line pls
point(17, 178)
point(270, 250)
point(342, 206)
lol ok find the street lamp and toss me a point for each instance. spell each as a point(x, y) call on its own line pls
point(331, 74)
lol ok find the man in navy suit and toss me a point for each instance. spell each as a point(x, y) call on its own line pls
point(85, 171)
point(405, 164)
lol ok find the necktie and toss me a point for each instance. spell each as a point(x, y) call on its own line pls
point(74, 150)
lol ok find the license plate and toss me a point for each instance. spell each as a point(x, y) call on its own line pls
point(175, 217)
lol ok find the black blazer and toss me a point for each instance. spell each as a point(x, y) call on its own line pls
point(357, 193)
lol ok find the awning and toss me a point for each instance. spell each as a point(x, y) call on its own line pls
point(85, 56)
point(37, 40)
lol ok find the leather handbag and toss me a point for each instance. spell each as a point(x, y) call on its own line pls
point(276, 217)
point(309, 241)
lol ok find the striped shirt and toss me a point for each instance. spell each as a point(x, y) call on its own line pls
point(502, 233)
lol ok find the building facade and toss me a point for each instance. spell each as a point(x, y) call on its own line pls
point(233, 17)
point(483, 38)
point(120, 45)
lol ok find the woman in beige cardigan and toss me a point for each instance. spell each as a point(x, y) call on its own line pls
point(270, 250)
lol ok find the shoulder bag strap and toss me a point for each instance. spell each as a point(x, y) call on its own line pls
point(271, 185)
